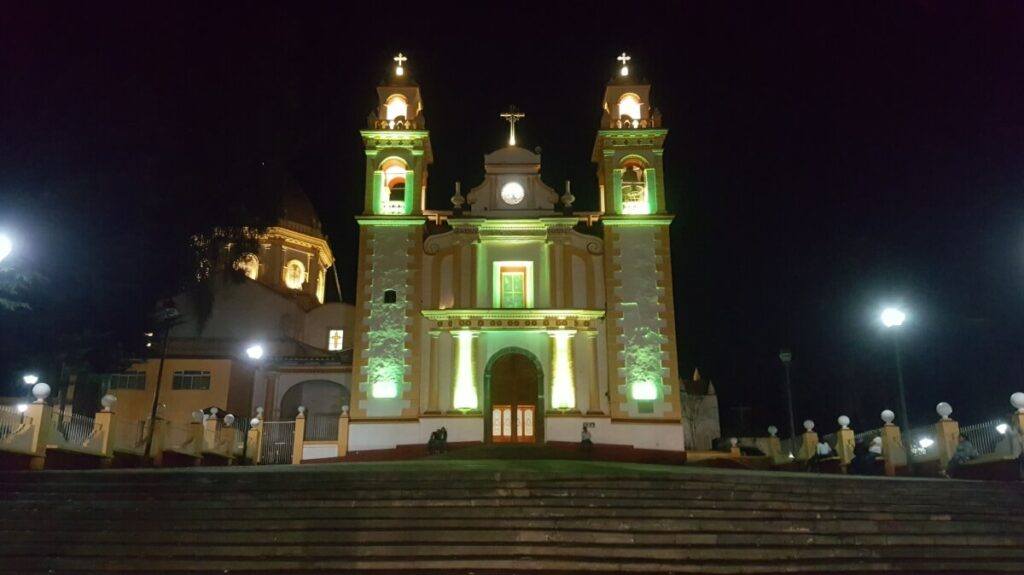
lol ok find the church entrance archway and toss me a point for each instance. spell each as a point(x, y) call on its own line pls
point(318, 396)
point(514, 397)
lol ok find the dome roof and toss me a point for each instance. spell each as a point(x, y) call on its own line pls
point(512, 155)
point(295, 208)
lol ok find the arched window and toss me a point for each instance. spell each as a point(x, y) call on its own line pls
point(294, 274)
point(634, 187)
point(396, 106)
point(249, 265)
point(629, 106)
point(393, 192)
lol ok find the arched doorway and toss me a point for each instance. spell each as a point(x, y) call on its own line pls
point(514, 396)
point(318, 396)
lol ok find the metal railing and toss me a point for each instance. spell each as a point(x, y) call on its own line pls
point(15, 430)
point(322, 427)
point(74, 432)
point(278, 441)
point(984, 436)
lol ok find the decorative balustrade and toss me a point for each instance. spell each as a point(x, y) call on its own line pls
point(627, 123)
point(393, 207)
point(16, 430)
point(397, 124)
point(75, 432)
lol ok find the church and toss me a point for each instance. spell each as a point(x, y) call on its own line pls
point(509, 317)
point(506, 317)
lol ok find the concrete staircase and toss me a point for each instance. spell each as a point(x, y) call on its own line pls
point(503, 517)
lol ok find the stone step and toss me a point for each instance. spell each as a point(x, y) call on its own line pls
point(924, 526)
point(500, 534)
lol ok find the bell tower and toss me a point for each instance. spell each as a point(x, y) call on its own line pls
point(643, 368)
point(386, 349)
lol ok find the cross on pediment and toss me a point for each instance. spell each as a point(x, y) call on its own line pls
point(512, 116)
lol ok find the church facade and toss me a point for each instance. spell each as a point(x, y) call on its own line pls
point(509, 317)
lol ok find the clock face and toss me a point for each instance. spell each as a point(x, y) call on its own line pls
point(512, 193)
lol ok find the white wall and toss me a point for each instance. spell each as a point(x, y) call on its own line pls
point(638, 435)
point(366, 436)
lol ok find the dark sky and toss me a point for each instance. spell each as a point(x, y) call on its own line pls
point(823, 159)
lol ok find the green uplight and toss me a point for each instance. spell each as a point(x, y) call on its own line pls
point(465, 386)
point(563, 390)
point(385, 390)
point(644, 391)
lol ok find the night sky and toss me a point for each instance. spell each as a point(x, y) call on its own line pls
point(822, 160)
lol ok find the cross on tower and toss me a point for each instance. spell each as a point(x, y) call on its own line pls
point(400, 58)
point(624, 58)
point(512, 116)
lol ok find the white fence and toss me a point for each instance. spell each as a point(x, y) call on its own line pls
point(16, 430)
point(985, 436)
point(74, 432)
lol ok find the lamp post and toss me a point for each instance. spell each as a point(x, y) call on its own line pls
point(166, 318)
point(786, 357)
point(893, 318)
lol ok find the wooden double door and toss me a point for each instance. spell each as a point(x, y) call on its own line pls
point(514, 400)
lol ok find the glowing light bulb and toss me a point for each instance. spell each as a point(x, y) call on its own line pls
point(624, 71)
point(893, 317)
point(30, 379)
point(254, 351)
point(6, 247)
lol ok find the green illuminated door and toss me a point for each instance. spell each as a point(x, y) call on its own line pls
point(513, 287)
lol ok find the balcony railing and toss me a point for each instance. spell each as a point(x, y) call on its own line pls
point(393, 207)
point(397, 124)
point(627, 123)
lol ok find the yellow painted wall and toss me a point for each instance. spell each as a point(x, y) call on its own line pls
point(135, 404)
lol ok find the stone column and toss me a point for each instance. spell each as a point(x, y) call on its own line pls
point(432, 387)
point(103, 433)
point(947, 434)
point(40, 413)
point(254, 441)
point(300, 436)
point(563, 382)
point(593, 385)
point(892, 448)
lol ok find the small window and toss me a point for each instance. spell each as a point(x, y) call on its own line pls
point(335, 339)
point(390, 296)
point(191, 380)
point(127, 380)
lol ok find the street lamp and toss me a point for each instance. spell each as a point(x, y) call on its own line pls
point(786, 357)
point(254, 351)
point(30, 379)
point(893, 318)
point(6, 247)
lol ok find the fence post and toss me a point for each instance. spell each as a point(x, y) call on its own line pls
point(103, 428)
point(343, 432)
point(892, 444)
point(198, 429)
point(844, 440)
point(300, 435)
point(808, 442)
point(210, 432)
point(775, 446)
point(40, 414)
point(159, 438)
point(254, 440)
point(947, 434)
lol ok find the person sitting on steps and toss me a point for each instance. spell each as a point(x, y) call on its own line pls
point(438, 442)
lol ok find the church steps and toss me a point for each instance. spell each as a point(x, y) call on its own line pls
point(499, 534)
point(686, 521)
point(511, 549)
